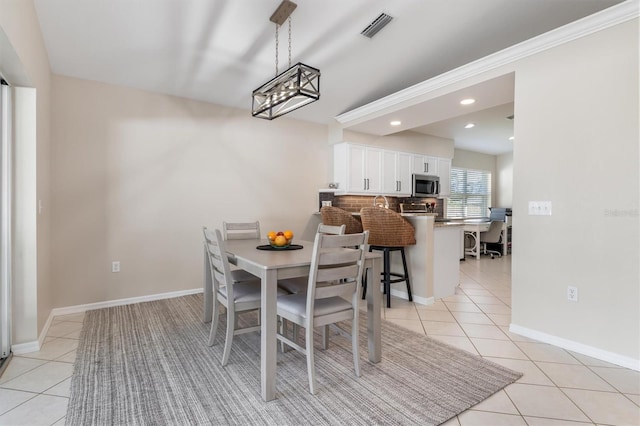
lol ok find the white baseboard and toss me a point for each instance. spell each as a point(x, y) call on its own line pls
point(593, 352)
point(34, 346)
point(24, 348)
point(418, 299)
point(119, 302)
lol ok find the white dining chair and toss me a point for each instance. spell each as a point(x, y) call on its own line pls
point(332, 294)
point(241, 231)
point(236, 297)
point(300, 284)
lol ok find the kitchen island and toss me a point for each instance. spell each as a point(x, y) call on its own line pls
point(433, 262)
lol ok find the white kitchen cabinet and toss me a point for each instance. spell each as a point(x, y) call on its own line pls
point(444, 172)
point(425, 165)
point(357, 168)
point(363, 169)
point(396, 173)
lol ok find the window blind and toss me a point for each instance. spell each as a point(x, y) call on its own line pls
point(470, 193)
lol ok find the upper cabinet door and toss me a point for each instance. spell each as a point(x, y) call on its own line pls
point(403, 173)
point(389, 172)
point(373, 169)
point(425, 165)
point(357, 168)
point(396, 173)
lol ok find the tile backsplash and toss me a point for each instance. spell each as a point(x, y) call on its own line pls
point(353, 203)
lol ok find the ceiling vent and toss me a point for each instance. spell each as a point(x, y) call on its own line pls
point(379, 23)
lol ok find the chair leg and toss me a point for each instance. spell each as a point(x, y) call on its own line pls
point(364, 281)
point(364, 286)
point(406, 273)
point(214, 322)
point(387, 275)
point(355, 343)
point(325, 337)
point(284, 329)
point(228, 341)
point(311, 369)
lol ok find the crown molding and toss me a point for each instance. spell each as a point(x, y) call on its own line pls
point(604, 19)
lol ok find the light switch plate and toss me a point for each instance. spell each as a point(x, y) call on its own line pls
point(540, 208)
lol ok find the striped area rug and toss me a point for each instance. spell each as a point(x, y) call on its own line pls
point(148, 364)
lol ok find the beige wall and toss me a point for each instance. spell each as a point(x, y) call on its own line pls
point(32, 290)
point(136, 175)
point(504, 180)
point(577, 146)
point(404, 141)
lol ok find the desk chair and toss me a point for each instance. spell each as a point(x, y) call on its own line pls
point(492, 236)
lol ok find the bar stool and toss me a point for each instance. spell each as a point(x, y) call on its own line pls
point(335, 216)
point(388, 232)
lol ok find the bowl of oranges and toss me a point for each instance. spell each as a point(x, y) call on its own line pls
point(280, 239)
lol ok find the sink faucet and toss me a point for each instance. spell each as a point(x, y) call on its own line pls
point(386, 202)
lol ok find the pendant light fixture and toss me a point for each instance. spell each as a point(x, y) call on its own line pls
point(296, 87)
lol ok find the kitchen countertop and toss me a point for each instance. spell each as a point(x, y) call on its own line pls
point(447, 224)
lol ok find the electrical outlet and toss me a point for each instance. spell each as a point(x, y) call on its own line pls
point(572, 293)
point(115, 266)
point(540, 208)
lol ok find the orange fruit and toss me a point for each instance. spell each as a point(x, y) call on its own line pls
point(288, 235)
point(271, 235)
point(280, 241)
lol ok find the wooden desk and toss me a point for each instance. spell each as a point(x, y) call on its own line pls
point(270, 266)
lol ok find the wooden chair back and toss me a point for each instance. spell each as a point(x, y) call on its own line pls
point(240, 230)
point(387, 228)
point(337, 265)
point(336, 216)
point(218, 262)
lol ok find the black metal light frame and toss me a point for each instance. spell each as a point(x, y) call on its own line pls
point(294, 88)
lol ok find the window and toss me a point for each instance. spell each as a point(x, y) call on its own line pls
point(470, 193)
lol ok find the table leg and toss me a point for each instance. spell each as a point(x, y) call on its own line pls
point(268, 321)
point(477, 235)
point(374, 301)
point(207, 287)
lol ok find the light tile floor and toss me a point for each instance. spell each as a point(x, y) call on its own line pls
point(558, 387)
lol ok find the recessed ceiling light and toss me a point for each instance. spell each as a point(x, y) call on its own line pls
point(511, 138)
point(469, 125)
point(467, 101)
point(396, 123)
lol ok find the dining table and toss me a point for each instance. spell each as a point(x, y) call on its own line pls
point(273, 265)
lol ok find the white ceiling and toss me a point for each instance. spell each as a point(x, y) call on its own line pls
point(218, 51)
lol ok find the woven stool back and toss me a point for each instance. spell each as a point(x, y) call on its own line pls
point(335, 216)
point(387, 228)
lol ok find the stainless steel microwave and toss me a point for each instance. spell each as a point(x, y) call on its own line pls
point(425, 186)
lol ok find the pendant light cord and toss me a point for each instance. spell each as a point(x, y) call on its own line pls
point(277, 26)
point(289, 41)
